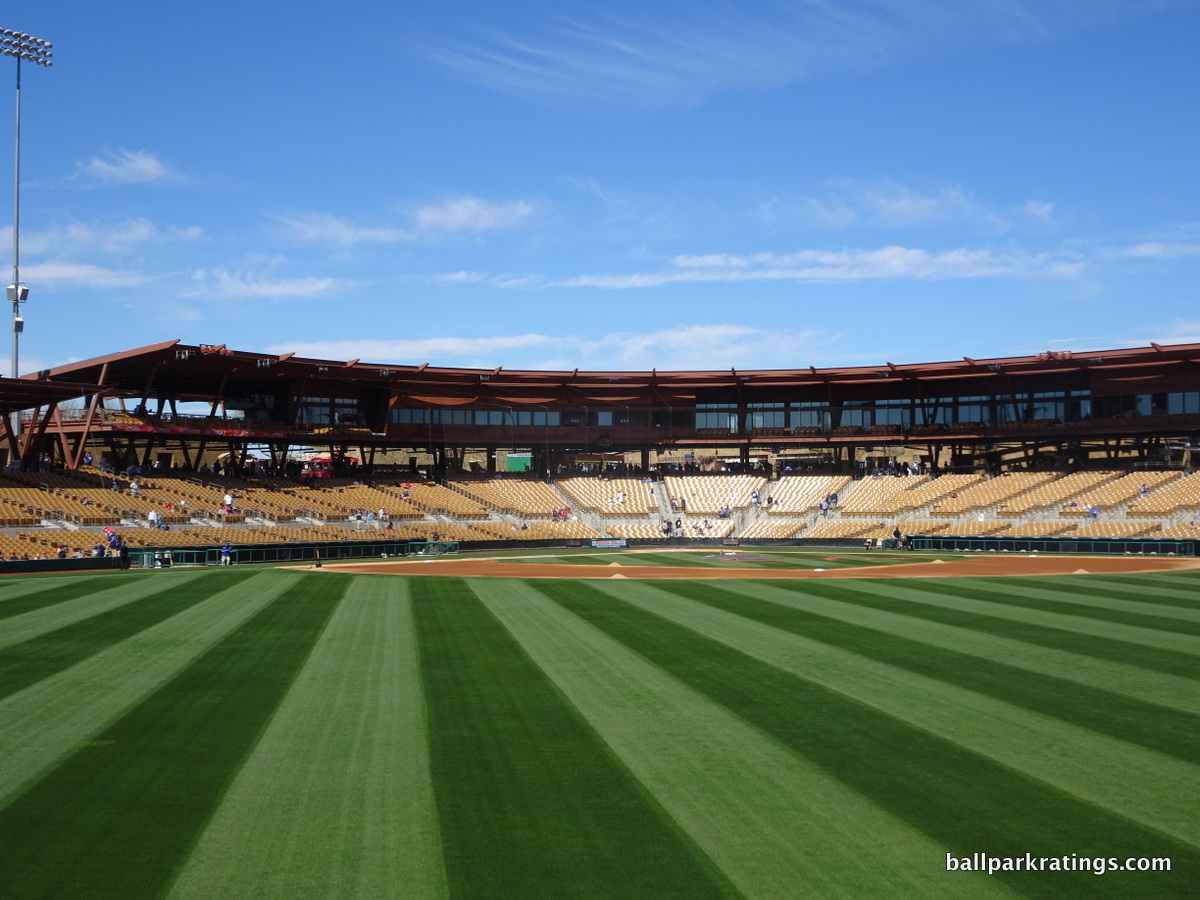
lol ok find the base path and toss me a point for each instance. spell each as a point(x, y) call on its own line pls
point(1016, 564)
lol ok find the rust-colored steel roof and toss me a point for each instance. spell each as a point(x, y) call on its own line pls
point(27, 393)
point(196, 371)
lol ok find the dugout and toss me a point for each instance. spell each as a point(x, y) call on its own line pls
point(1108, 546)
point(297, 552)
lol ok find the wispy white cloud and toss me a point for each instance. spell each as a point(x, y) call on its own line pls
point(845, 204)
point(461, 277)
point(322, 228)
point(890, 263)
point(1041, 210)
point(468, 213)
point(706, 347)
point(464, 214)
point(1161, 250)
point(222, 283)
point(441, 350)
point(126, 167)
point(116, 237)
point(710, 260)
point(80, 275)
point(703, 347)
point(684, 52)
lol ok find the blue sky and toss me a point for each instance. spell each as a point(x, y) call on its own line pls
point(610, 185)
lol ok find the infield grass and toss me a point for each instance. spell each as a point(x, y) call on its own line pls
point(271, 733)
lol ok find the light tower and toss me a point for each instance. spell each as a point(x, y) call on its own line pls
point(21, 46)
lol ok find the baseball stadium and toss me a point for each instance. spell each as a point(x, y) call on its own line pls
point(275, 626)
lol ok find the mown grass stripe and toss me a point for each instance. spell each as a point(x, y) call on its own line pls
point(335, 800)
point(531, 802)
point(908, 600)
point(960, 596)
point(92, 596)
point(51, 719)
point(41, 594)
point(1098, 590)
point(1165, 588)
point(959, 797)
point(1149, 725)
point(1021, 595)
point(30, 661)
point(776, 825)
point(1075, 760)
point(118, 817)
point(1146, 686)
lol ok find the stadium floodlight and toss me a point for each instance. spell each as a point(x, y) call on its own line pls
point(22, 47)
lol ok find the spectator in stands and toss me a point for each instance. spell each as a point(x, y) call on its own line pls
point(134, 490)
point(61, 553)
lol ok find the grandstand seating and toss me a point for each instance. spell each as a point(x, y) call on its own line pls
point(795, 495)
point(1166, 500)
point(1115, 493)
point(919, 526)
point(641, 530)
point(779, 528)
point(992, 492)
point(611, 496)
point(438, 500)
point(1117, 529)
point(1057, 492)
point(537, 531)
point(971, 529)
point(530, 499)
point(1043, 528)
point(882, 496)
point(891, 496)
point(843, 528)
point(704, 495)
point(1185, 530)
point(41, 511)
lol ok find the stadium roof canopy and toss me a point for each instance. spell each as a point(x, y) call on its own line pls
point(202, 372)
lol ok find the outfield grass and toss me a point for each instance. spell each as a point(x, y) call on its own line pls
point(270, 733)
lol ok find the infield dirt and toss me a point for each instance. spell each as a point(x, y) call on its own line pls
point(490, 567)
